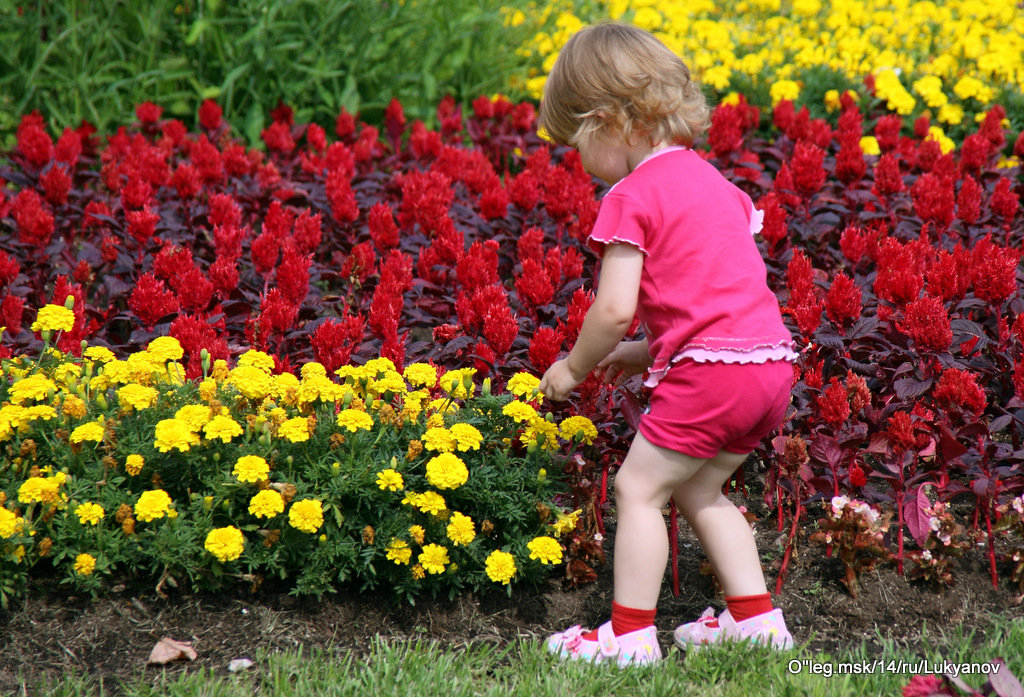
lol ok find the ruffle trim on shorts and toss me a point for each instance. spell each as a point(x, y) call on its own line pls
point(760, 354)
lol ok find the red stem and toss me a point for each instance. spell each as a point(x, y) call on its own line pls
point(789, 550)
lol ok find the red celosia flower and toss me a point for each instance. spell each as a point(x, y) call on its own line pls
point(974, 153)
point(812, 374)
point(424, 142)
point(174, 133)
point(444, 333)
point(109, 248)
point(56, 183)
point(850, 165)
point(449, 115)
point(224, 210)
point(857, 391)
point(264, 250)
point(897, 279)
point(1018, 379)
point(968, 201)
point(922, 124)
point(135, 194)
point(224, 275)
point(381, 224)
point(344, 125)
point(334, 340)
point(34, 143)
point(524, 117)
point(172, 261)
point(799, 278)
point(206, 158)
point(901, 431)
point(774, 229)
point(397, 271)
point(994, 271)
point(500, 328)
point(752, 172)
point(11, 311)
point(210, 115)
point(367, 145)
point(926, 322)
point(227, 240)
point(94, 209)
point(530, 245)
point(726, 132)
point(927, 154)
point(572, 264)
point(151, 300)
point(483, 108)
point(992, 127)
point(484, 358)
point(479, 268)
point(926, 686)
point(195, 334)
point(33, 219)
point(277, 315)
point(360, 263)
point(784, 187)
point(385, 311)
point(340, 158)
point(278, 220)
point(960, 388)
point(194, 290)
point(293, 275)
point(316, 137)
point(1004, 202)
point(856, 475)
point(783, 114)
point(949, 274)
point(888, 178)
point(553, 265)
point(186, 181)
point(1018, 146)
point(148, 112)
point(278, 137)
point(578, 305)
point(806, 314)
point(534, 285)
point(843, 300)
point(9, 269)
point(468, 166)
point(494, 203)
point(426, 198)
point(470, 307)
point(68, 148)
point(524, 190)
point(394, 120)
point(307, 232)
point(833, 404)
point(236, 161)
point(933, 199)
point(142, 224)
point(853, 243)
point(545, 347)
point(887, 132)
point(341, 197)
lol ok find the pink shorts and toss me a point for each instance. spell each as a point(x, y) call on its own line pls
point(699, 409)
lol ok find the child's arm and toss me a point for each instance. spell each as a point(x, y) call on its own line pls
point(607, 321)
point(627, 359)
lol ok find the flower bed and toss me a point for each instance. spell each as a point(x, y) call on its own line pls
point(462, 247)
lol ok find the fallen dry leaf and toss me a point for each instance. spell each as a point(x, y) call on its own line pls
point(168, 650)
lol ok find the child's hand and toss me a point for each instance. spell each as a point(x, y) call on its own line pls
point(627, 359)
point(558, 381)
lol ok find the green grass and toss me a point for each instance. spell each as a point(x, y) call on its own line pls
point(422, 668)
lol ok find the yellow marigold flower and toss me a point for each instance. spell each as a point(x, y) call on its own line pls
point(578, 427)
point(251, 468)
point(67, 373)
point(459, 383)
point(195, 415)
point(223, 427)
point(306, 515)
point(152, 505)
point(542, 433)
point(73, 406)
point(90, 431)
point(546, 549)
point(85, 564)
point(54, 318)
point(174, 434)
point(946, 144)
point(137, 396)
point(439, 439)
point(165, 348)
point(461, 529)
point(355, 420)
point(227, 544)
point(266, 504)
point(100, 354)
point(256, 359)
point(869, 146)
point(417, 572)
point(133, 464)
point(250, 381)
point(295, 430)
point(500, 567)
point(467, 437)
point(39, 489)
point(430, 502)
point(523, 385)
point(399, 551)
point(33, 387)
point(783, 89)
point(89, 513)
point(379, 365)
point(566, 522)
point(390, 480)
point(313, 369)
point(417, 533)
point(953, 114)
point(285, 388)
point(447, 471)
point(434, 558)
point(42, 412)
point(421, 375)
point(831, 100)
point(10, 523)
point(207, 389)
point(519, 411)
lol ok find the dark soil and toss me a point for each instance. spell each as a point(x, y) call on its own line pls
point(51, 634)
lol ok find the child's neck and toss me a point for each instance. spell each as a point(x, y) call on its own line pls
point(641, 151)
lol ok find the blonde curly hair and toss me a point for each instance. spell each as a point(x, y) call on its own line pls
point(620, 79)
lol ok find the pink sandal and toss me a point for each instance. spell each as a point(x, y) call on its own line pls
point(768, 629)
point(633, 649)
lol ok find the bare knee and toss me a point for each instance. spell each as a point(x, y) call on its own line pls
point(633, 488)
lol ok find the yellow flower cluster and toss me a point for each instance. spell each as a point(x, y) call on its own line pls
point(500, 567)
point(963, 49)
point(227, 543)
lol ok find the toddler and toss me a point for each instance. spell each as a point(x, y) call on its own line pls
point(676, 247)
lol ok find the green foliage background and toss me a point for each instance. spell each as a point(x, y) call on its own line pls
point(97, 59)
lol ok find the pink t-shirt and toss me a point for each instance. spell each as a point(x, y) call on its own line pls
point(703, 292)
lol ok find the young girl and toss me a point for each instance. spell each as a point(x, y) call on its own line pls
point(676, 249)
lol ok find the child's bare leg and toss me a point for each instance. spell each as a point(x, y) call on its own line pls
point(722, 530)
point(643, 485)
